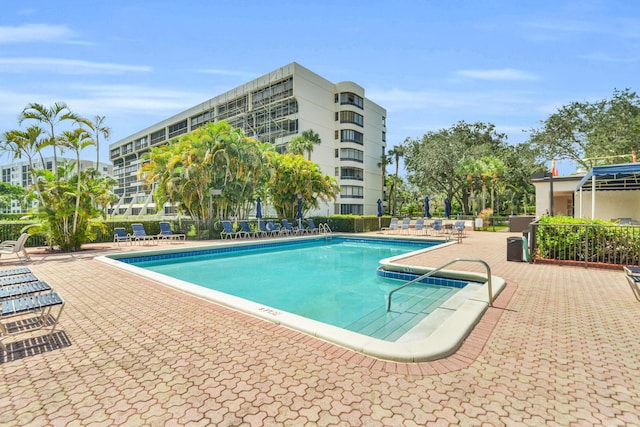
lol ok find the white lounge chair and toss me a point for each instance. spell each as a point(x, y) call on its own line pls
point(16, 247)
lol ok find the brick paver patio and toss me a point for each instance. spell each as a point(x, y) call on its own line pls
point(560, 347)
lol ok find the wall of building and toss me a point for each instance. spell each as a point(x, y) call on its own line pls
point(318, 108)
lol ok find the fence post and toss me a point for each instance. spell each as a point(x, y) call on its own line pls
point(586, 246)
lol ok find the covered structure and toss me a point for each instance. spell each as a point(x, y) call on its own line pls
point(612, 191)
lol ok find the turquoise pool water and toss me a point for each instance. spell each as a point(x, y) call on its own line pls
point(334, 281)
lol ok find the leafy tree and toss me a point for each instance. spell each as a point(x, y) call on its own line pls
point(591, 133)
point(66, 217)
point(213, 156)
point(50, 117)
point(438, 162)
point(9, 192)
point(295, 176)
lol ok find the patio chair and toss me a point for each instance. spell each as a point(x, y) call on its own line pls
point(419, 226)
point(24, 289)
point(121, 235)
point(264, 229)
point(437, 226)
point(275, 228)
point(228, 231)
point(405, 225)
point(140, 235)
point(632, 270)
point(288, 228)
point(312, 229)
point(17, 279)
point(29, 314)
point(393, 225)
point(634, 282)
point(246, 229)
point(16, 247)
point(15, 271)
point(167, 233)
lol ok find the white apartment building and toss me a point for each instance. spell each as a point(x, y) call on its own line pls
point(17, 173)
point(274, 108)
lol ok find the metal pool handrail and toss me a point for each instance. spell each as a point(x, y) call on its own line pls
point(324, 228)
point(432, 272)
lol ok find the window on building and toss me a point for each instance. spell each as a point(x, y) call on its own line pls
point(352, 173)
point(178, 128)
point(351, 154)
point(349, 98)
point(337, 153)
point(351, 192)
point(349, 135)
point(351, 117)
point(158, 136)
point(347, 209)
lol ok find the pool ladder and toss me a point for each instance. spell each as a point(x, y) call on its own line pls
point(432, 272)
point(324, 228)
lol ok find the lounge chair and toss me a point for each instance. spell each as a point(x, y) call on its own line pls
point(16, 247)
point(15, 271)
point(265, 231)
point(289, 229)
point(437, 226)
point(228, 231)
point(312, 229)
point(28, 314)
point(140, 235)
point(167, 233)
point(24, 289)
point(17, 279)
point(393, 225)
point(632, 270)
point(246, 230)
point(121, 235)
point(405, 225)
point(419, 226)
point(275, 228)
point(634, 282)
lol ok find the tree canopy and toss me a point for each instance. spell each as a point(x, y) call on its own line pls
point(592, 133)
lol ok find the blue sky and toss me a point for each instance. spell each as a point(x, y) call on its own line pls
point(429, 63)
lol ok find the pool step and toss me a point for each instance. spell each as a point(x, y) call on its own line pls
point(411, 305)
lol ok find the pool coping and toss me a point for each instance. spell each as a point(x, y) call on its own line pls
point(442, 342)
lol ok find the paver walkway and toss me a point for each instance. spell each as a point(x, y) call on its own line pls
point(560, 347)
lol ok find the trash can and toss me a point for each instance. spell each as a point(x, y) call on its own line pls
point(514, 249)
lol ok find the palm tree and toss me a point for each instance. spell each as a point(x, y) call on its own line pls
point(304, 143)
point(384, 161)
point(312, 138)
point(396, 153)
point(98, 128)
point(19, 143)
point(76, 140)
point(51, 116)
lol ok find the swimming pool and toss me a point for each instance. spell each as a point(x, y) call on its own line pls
point(353, 315)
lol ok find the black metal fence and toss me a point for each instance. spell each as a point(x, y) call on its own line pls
point(585, 244)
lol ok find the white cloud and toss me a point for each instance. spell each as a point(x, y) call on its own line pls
point(66, 66)
point(30, 33)
point(232, 73)
point(497, 74)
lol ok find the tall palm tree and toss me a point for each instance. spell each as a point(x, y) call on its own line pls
point(50, 116)
point(98, 128)
point(76, 140)
point(26, 143)
point(312, 138)
point(384, 161)
point(396, 154)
